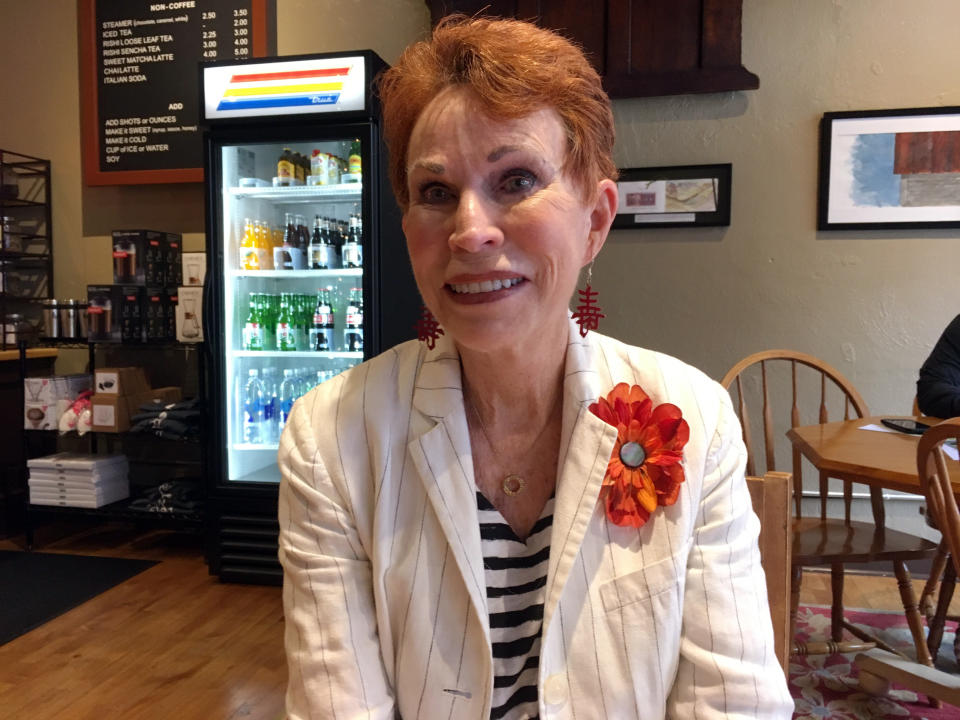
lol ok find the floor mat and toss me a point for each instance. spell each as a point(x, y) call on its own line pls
point(37, 587)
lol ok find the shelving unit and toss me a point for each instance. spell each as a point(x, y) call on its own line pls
point(26, 243)
point(162, 454)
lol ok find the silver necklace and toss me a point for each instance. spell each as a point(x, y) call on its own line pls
point(513, 483)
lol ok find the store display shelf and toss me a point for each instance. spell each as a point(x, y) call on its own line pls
point(13, 255)
point(302, 193)
point(10, 297)
point(19, 203)
point(335, 272)
point(121, 510)
point(256, 446)
point(296, 354)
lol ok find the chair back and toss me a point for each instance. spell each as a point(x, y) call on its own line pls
point(770, 496)
point(781, 389)
point(933, 468)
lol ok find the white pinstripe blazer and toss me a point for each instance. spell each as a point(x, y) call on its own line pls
point(384, 591)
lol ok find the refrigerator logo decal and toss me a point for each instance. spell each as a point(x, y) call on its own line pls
point(285, 89)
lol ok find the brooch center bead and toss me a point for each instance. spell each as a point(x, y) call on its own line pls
point(632, 454)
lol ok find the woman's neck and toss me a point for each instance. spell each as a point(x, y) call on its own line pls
point(515, 388)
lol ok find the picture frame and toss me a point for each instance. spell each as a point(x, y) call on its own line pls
point(889, 169)
point(674, 196)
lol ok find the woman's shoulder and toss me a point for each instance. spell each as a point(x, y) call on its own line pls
point(664, 378)
point(662, 369)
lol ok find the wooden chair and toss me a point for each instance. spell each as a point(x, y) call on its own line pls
point(878, 668)
point(770, 496)
point(822, 540)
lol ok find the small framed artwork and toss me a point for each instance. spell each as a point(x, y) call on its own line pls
point(889, 169)
point(675, 196)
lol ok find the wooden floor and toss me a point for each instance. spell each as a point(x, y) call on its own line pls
point(173, 643)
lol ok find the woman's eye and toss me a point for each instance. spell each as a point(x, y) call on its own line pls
point(433, 194)
point(519, 182)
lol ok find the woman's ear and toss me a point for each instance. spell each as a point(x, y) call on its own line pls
point(603, 212)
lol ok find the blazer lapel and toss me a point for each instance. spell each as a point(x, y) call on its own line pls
point(586, 444)
point(442, 456)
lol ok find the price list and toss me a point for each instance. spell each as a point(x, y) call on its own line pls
point(147, 83)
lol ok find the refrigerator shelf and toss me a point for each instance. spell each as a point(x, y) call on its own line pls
point(259, 446)
point(336, 272)
point(296, 354)
point(301, 193)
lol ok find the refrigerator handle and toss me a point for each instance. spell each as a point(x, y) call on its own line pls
point(206, 316)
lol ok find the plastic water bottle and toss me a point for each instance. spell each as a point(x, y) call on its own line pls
point(270, 405)
point(253, 397)
point(287, 395)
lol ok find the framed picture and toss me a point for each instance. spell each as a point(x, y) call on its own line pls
point(889, 169)
point(676, 196)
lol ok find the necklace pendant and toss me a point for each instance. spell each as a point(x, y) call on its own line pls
point(513, 484)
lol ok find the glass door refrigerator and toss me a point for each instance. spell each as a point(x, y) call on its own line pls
point(307, 271)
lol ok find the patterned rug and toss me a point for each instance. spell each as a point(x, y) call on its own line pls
point(826, 686)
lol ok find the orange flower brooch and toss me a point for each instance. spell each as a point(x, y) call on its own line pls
point(644, 470)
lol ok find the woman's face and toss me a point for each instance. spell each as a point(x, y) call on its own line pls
point(497, 232)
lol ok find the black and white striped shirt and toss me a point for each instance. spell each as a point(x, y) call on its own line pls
point(516, 578)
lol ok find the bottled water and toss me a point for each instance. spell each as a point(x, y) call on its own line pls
point(287, 395)
point(253, 398)
point(270, 405)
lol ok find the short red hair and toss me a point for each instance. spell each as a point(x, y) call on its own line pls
point(514, 68)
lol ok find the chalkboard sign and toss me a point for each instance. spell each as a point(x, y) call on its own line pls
point(139, 80)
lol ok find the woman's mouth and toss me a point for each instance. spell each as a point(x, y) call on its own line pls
point(484, 286)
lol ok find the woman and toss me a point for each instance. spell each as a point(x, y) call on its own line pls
point(516, 520)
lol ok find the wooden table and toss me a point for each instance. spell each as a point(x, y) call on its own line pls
point(883, 459)
point(887, 460)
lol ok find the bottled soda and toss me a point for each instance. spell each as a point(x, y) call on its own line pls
point(303, 236)
point(283, 255)
point(286, 172)
point(286, 327)
point(353, 329)
point(321, 329)
point(353, 248)
point(249, 255)
point(264, 251)
point(253, 326)
point(253, 408)
point(354, 161)
point(286, 396)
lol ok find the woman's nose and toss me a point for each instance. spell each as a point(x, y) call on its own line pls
point(475, 224)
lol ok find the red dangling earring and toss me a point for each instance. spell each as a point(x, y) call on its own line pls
point(428, 329)
point(588, 312)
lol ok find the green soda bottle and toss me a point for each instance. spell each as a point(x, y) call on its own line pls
point(286, 324)
point(253, 326)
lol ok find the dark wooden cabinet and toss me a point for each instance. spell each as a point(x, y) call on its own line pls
point(642, 48)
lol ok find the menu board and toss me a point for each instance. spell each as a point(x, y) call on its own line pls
point(140, 80)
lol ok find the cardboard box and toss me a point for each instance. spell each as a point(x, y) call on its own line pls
point(173, 273)
point(194, 268)
point(47, 398)
point(189, 315)
point(109, 413)
point(132, 311)
point(139, 257)
point(103, 313)
point(39, 416)
point(120, 381)
point(160, 315)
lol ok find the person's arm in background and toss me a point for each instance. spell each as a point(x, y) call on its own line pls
point(938, 389)
point(728, 665)
point(333, 651)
